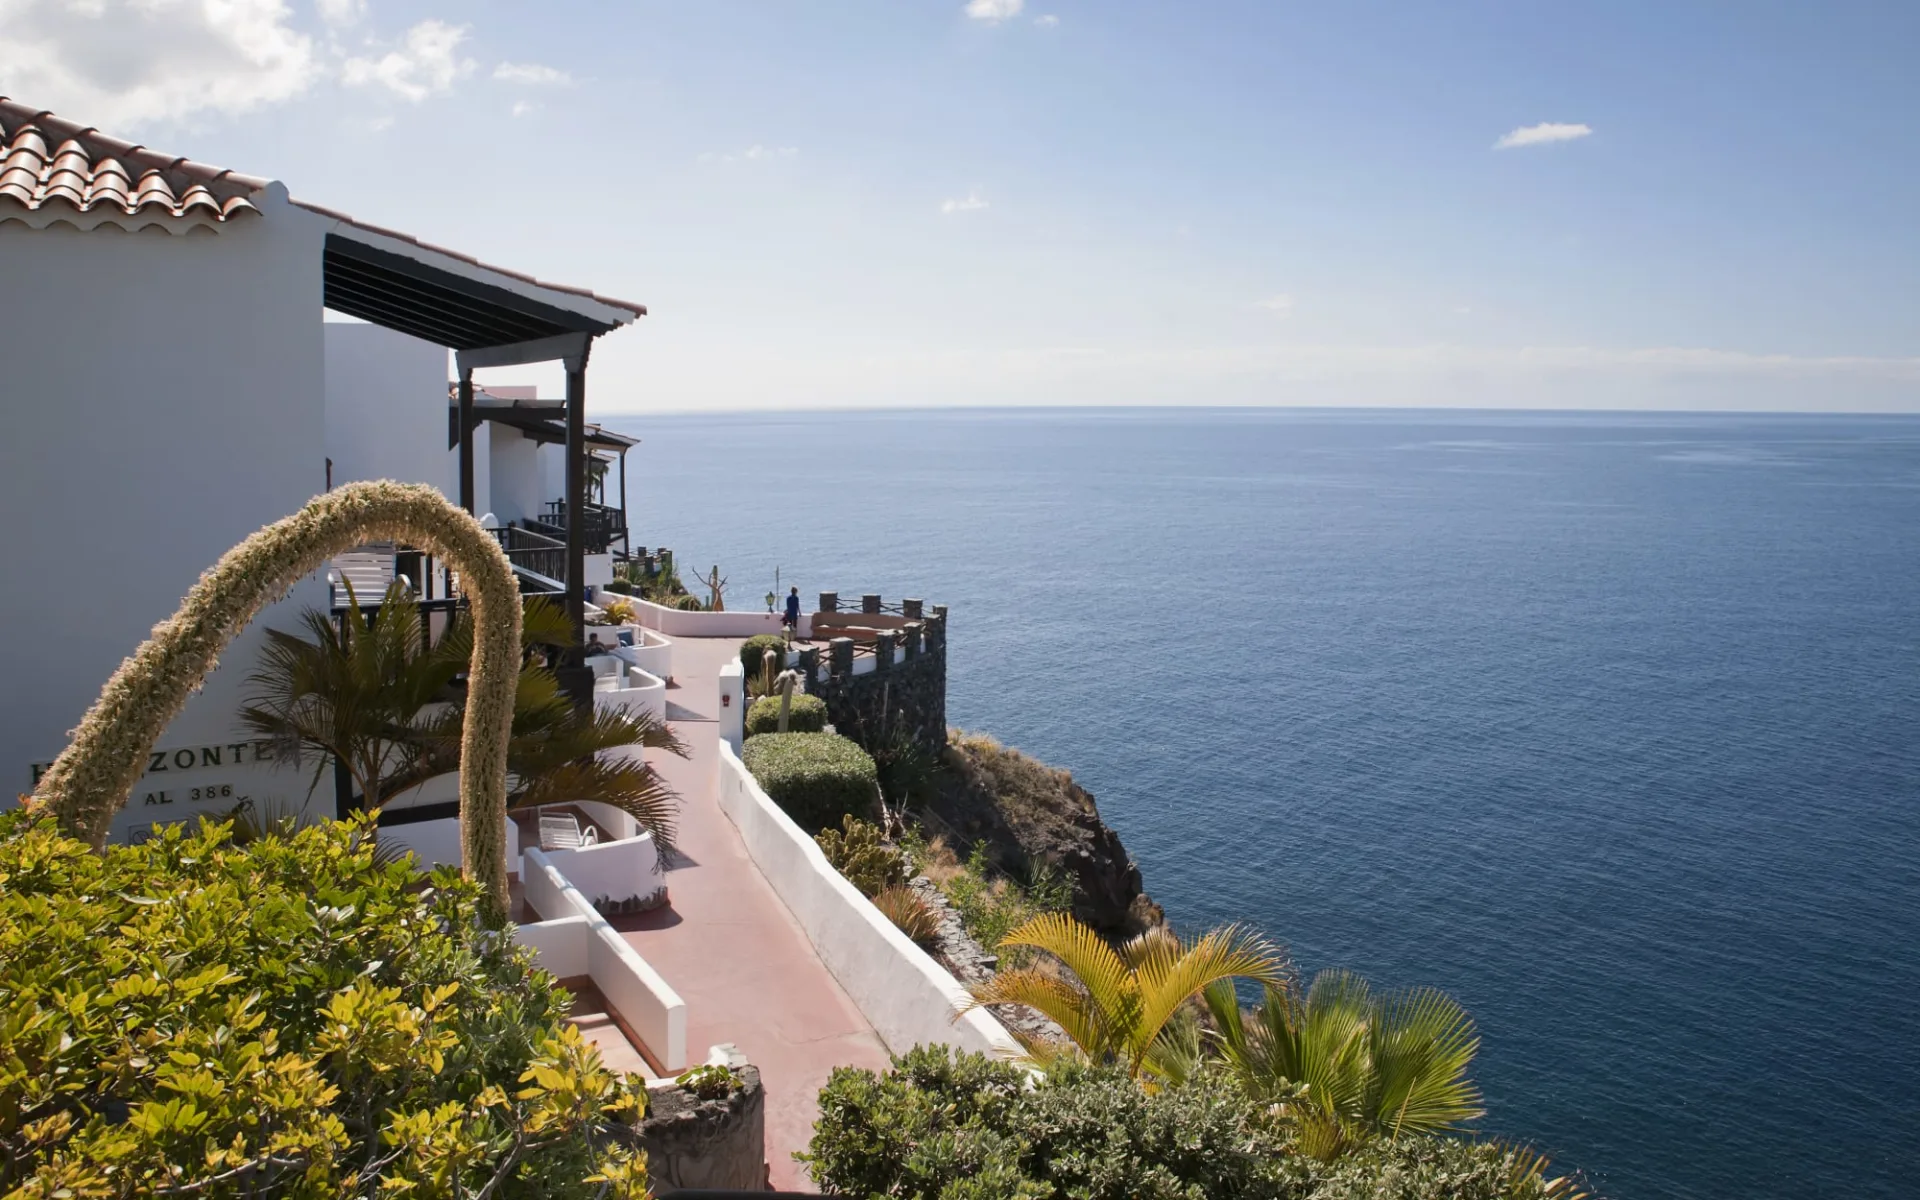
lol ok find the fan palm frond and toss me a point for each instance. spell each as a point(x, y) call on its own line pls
point(1117, 1004)
point(1347, 1065)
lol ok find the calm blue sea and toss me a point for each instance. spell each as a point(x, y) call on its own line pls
point(1609, 725)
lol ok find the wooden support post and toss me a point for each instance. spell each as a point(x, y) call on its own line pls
point(466, 440)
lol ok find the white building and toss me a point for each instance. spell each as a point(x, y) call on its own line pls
point(170, 386)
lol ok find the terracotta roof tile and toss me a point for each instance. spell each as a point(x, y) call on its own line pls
point(54, 168)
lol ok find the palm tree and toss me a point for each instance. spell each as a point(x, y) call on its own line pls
point(353, 691)
point(553, 755)
point(1116, 1005)
point(376, 695)
point(1347, 1065)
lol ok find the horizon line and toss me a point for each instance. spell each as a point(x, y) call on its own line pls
point(752, 410)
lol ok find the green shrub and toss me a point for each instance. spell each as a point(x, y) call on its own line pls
point(992, 906)
point(1417, 1168)
point(289, 1017)
point(856, 851)
point(684, 603)
point(711, 1081)
point(818, 778)
point(624, 587)
point(946, 1126)
point(938, 1118)
point(754, 648)
point(808, 714)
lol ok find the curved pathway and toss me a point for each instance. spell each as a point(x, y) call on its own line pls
point(729, 946)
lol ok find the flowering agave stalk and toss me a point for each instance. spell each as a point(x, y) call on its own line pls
point(93, 776)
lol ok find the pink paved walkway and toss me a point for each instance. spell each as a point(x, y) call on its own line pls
point(730, 947)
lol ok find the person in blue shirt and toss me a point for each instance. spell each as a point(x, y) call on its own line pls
point(792, 618)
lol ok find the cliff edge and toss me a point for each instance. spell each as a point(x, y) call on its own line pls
point(1025, 812)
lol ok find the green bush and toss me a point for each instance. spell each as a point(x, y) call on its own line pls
point(754, 648)
point(624, 587)
point(1417, 1168)
point(941, 1125)
point(292, 1017)
point(818, 778)
point(856, 851)
point(946, 1126)
point(807, 715)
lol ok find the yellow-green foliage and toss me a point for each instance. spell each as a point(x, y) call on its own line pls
point(90, 780)
point(856, 851)
point(288, 1018)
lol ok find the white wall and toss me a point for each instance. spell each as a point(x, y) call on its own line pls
point(675, 623)
point(559, 945)
point(615, 870)
point(387, 408)
point(437, 843)
point(733, 704)
point(631, 985)
point(164, 399)
point(634, 690)
point(908, 998)
point(515, 482)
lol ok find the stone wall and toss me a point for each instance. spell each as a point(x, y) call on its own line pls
point(717, 1144)
point(899, 683)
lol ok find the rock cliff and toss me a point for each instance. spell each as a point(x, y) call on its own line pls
point(1026, 812)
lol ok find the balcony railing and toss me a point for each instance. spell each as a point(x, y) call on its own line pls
point(532, 550)
point(604, 525)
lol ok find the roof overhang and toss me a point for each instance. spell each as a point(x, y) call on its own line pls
point(452, 300)
point(542, 421)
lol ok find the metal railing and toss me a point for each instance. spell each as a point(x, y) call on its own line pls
point(603, 525)
point(533, 550)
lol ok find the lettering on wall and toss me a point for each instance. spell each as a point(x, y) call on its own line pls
point(193, 758)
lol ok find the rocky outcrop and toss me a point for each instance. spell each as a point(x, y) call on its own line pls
point(1025, 812)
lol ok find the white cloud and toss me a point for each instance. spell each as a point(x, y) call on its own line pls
point(752, 154)
point(534, 73)
point(1047, 21)
point(1542, 134)
point(973, 201)
point(1279, 305)
point(426, 63)
point(341, 13)
point(994, 11)
point(380, 124)
point(521, 108)
point(119, 64)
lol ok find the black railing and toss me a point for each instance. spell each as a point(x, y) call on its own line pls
point(533, 550)
point(603, 525)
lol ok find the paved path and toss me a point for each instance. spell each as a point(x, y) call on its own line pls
point(730, 947)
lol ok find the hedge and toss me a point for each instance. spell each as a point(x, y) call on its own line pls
point(754, 648)
point(807, 715)
point(817, 778)
point(293, 1016)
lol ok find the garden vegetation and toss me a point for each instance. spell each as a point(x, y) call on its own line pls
point(818, 779)
point(942, 1125)
point(293, 1017)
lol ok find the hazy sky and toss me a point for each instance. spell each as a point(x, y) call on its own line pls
point(902, 202)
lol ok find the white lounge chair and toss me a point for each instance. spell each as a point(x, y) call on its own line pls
point(561, 831)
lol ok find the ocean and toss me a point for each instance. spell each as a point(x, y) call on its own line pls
point(1606, 724)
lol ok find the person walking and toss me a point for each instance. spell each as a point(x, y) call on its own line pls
point(792, 617)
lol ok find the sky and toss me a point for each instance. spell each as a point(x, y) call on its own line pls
point(1532, 204)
